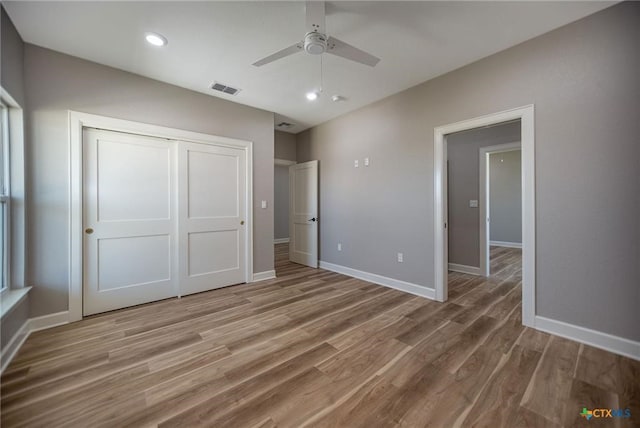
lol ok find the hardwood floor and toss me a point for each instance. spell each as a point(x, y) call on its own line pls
point(315, 348)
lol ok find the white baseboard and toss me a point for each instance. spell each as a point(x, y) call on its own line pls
point(471, 270)
point(31, 325)
point(407, 287)
point(608, 342)
point(281, 241)
point(262, 276)
point(14, 345)
point(48, 321)
point(506, 244)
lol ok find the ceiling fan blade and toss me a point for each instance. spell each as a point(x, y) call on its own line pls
point(315, 16)
point(339, 48)
point(280, 54)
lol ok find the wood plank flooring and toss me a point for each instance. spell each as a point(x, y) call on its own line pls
point(315, 349)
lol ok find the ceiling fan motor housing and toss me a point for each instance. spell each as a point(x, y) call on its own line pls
point(315, 43)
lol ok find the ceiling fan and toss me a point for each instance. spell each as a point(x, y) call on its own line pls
point(316, 41)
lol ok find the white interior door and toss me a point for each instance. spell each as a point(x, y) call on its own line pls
point(212, 199)
point(129, 220)
point(303, 213)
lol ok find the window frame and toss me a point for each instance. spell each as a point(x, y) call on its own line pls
point(14, 175)
point(5, 197)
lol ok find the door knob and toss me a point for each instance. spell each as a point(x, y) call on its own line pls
point(241, 222)
point(88, 231)
point(312, 219)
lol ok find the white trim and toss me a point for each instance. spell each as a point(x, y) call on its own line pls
point(14, 345)
point(262, 276)
point(471, 270)
point(281, 241)
point(31, 325)
point(397, 284)
point(608, 342)
point(48, 321)
point(77, 121)
point(283, 162)
point(485, 201)
point(505, 244)
point(526, 116)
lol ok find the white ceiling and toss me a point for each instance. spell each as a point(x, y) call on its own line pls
point(218, 41)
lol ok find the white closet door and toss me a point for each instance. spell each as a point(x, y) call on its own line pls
point(129, 220)
point(212, 189)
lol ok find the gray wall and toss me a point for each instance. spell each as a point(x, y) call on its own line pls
point(12, 65)
point(13, 321)
point(281, 202)
point(11, 79)
point(583, 80)
point(505, 196)
point(463, 154)
point(56, 83)
point(285, 146)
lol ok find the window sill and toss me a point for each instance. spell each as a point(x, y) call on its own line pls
point(10, 298)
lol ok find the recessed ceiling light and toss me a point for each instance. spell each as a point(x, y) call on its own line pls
point(156, 39)
point(311, 96)
point(337, 98)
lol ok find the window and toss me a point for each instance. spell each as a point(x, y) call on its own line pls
point(12, 209)
point(4, 196)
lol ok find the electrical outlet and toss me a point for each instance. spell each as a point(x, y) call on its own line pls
point(473, 203)
point(339, 246)
point(355, 163)
point(264, 204)
point(400, 257)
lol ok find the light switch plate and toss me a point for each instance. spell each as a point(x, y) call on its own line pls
point(264, 204)
point(355, 163)
point(366, 161)
point(473, 203)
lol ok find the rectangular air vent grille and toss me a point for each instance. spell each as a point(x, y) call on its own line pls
point(221, 87)
point(284, 125)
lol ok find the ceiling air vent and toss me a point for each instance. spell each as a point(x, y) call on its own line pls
point(221, 87)
point(285, 125)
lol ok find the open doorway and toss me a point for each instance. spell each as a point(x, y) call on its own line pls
point(446, 231)
point(281, 196)
point(501, 209)
point(468, 201)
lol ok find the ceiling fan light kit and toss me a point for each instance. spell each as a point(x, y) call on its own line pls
point(315, 43)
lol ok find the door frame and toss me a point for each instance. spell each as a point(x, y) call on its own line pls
point(485, 203)
point(527, 140)
point(78, 121)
